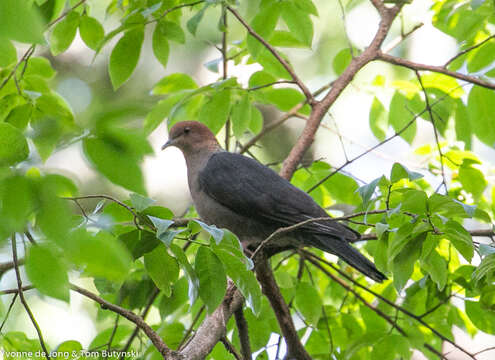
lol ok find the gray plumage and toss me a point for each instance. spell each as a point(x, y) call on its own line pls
point(251, 200)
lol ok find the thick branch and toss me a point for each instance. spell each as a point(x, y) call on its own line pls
point(320, 108)
point(242, 327)
point(438, 69)
point(272, 292)
point(212, 329)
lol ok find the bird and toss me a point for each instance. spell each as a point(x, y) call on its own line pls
point(251, 200)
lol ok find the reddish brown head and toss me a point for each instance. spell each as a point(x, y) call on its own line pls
point(191, 136)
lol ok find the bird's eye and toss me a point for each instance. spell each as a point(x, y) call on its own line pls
point(186, 130)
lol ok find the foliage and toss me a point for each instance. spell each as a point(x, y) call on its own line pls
point(139, 256)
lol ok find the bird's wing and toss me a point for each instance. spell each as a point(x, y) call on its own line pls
point(251, 189)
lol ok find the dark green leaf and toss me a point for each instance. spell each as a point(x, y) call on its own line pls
point(460, 238)
point(308, 302)
point(47, 272)
point(125, 56)
point(139, 242)
point(192, 277)
point(391, 347)
point(436, 266)
point(162, 268)
point(212, 278)
point(481, 318)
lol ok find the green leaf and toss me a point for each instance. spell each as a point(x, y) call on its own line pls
point(8, 53)
point(178, 298)
point(241, 115)
point(378, 119)
point(414, 201)
point(399, 171)
point(139, 242)
point(125, 56)
point(8, 103)
point(47, 272)
point(481, 318)
point(472, 180)
point(100, 254)
point(91, 31)
point(391, 347)
point(264, 24)
point(172, 31)
point(463, 129)
point(261, 78)
point(215, 232)
point(460, 238)
point(212, 278)
point(256, 123)
point(174, 83)
point(307, 6)
point(20, 116)
point(118, 167)
point(141, 202)
point(71, 347)
point(308, 302)
point(342, 61)
point(17, 199)
point(481, 58)
point(481, 114)
point(192, 277)
point(192, 24)
point(64, 33)
point(284, 98)
point(39, 66)
point(299, 23)
point(399, 117)
point(162, 230)
point(162, 268)
point(160, 111)
point(436, 266)
point(367, 191)
point(285, 39)
point(486, 270)
point(13, 145)
point(161, 49)
point(20, 21)
point(403, 263)
point(216, 111)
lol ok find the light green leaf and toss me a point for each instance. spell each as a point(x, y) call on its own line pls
point(172, 31)
point(141, 202)
point(367, 191)
point(308, 302)
point(20, 21)
point(212, 278)
point(8, 53)
point(64, 33)
point(481, 318)
point(481, 114)
point(256, 123)
point(436, 266)
point(216, 111)
point(192, 277)
point(285, 39)
point(161, 49)
point(125, 56)
point(342, 61)
point(391, 347)
point(192, 24)
point(39, 66)
point(91, 31)
point(17, 202)
point(472, 180)
point(399, 171)
point(460, 238)
point(241, 115)
point(399, 117)
point(47, 272)
point(481, 57)
point(13, 145)
point(174, 83)
point(118, 167)
point(378, 119)
point(215, 232)
point(284, 98)
point(160, 111)
point(261, 78)
point(299, 23)
point(162, 268)
point(264, 24)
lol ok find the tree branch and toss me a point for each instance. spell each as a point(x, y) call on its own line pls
point(242, 327)
point(270, 288)
point(438, 69)
point(136, 319)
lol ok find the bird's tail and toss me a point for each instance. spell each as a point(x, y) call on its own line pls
point(349, 254)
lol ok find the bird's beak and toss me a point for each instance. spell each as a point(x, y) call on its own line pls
point(170, 142)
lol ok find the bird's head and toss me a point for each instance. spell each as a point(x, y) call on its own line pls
point(190, 137)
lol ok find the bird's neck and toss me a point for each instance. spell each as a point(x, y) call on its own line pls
point(197, 160)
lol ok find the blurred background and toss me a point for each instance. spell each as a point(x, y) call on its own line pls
point(83, 80)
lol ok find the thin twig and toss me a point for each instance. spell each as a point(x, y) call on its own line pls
point(191, 327)
point(230, 348)
point(12, 302)
point(468, 50)
point(23, 299)
point(274, 52)
point(243, 329)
